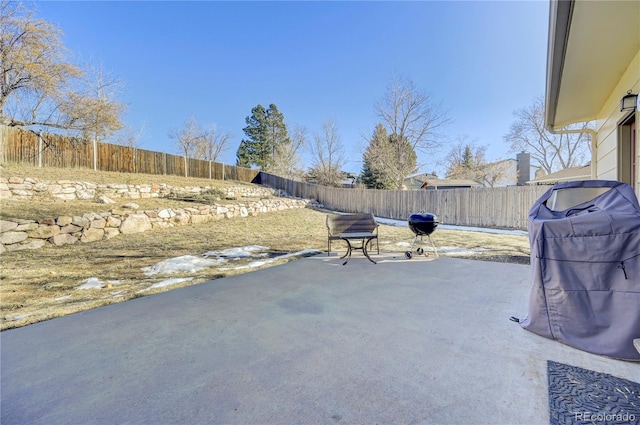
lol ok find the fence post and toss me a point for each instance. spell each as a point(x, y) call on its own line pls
point(95, 153)
point(39, 149)
point(3, 143)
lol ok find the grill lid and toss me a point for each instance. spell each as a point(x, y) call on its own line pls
point(423, 224)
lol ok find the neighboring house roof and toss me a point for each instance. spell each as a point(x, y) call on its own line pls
point(436, 183)
point(422, 181)
point(566, 175)
point(579, 81)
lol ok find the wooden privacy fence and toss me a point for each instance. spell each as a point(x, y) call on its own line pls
point(504, 207)
point(51, 150)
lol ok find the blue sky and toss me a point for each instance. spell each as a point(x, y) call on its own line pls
point(315, 60)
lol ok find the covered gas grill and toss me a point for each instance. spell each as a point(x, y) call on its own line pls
point(585, 262)
point(422, 224)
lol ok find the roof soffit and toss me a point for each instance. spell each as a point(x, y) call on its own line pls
point(603, 37)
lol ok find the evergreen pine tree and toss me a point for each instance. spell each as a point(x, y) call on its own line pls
point(373, 173)
point(387, 161)
point(276, 135)
point(467, 158)
point(242, 155)
point(266, 133)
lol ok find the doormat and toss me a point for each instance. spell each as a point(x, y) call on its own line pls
point(582, 396)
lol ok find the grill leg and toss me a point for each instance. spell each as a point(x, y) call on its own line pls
point(434, 246)
point(413, 243)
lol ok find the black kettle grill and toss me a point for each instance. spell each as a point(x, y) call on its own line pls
point(422, 224)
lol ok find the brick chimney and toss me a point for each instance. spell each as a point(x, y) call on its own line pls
point(523, 167)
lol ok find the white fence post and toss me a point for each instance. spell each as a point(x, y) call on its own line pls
point(39, 149)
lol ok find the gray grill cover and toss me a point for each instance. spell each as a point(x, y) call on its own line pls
point(585, 262)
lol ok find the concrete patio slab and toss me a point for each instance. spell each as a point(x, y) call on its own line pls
point(308, 342)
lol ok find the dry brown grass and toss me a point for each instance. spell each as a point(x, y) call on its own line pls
point(104, 177)
point(37, 285)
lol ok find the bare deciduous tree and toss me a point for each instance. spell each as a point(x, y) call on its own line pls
point(552, 151)
point(93, 109)
point(40, 87)
point(411, 117)
point(467, 160)
point(193, 141)
point(496, 172)
point(130, 136)
point(212, 143)
point(187, 139)
point(286, 158)
point(327, 154)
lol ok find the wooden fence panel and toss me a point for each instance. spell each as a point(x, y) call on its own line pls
point(231, 173)
point(150, 162)
point(245, 174)
point(174, 165)
point(116, 158)
point(64, 152)
point(217, 171)
point(23, 146)
point(504, 207)
point(4, 135)
point(198, 168)
point(20, 146)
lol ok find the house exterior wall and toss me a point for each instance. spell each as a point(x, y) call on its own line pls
point(605, 163)
point(510, 177)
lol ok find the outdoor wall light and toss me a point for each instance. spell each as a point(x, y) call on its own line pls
point(629, 102)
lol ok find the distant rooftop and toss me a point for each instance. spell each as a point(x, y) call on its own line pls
point(566, 175)
point(422, 181)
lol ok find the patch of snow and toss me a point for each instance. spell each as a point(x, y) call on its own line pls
point(186, 263)
point(254, 264)
point(168, 282)
point(303, 253)
point(91, 283)
point(404, 223)
point(260, 263)
point(240, 252)
point(62, 298)
point(16, 318)
point(484, 230)
point(95, 283)
point(460, 251)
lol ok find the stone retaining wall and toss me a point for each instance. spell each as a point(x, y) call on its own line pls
point(29, 188)
point(17, 234)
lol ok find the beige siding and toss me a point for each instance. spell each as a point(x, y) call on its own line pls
point(608, 165)
point(606, 155)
